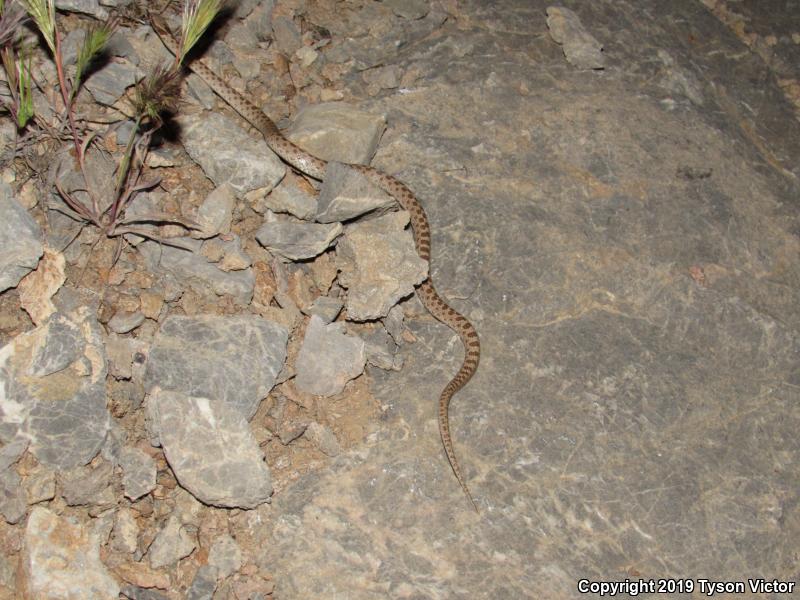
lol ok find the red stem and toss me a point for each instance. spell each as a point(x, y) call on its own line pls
point(62, 83)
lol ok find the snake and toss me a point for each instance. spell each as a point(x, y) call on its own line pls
point(420, 226)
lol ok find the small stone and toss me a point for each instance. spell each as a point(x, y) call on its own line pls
point(325, 308)
point(13, 503)
point(38, 287)
point(297, 241)
point(408, 9)
point(287, 198)
point(125, 535)
point(328, 359)
point(124, 322)
point(216, 212)
point(347, 194)
point(579, 46)
point(20, 240)
point(40, 485)
point(61, 559)
point(323, 439)
point(172, 543)
point(203, 585)
point(225, 556)
point(138, 472)
point(87, 485)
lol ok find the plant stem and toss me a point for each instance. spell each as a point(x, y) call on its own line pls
point(62, 83)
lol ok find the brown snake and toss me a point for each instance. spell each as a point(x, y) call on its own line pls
point(315, 167)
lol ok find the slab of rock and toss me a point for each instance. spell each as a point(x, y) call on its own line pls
point(346, 194)
point(337, 131)
point(194, 269)
point(138, 472)
point(292, 200)
point(408, 9)
point(61, 560)
point(225, 556)
point(124, 321)
point(20, 240)
point(328, 358)
point(85, 485)
point(297, 241)
point(323, 439)
point(232, 359)
point(382, 350)
point(216, 212)
point(38, 287)
point(211, 450)
point(53, 389)
point(172, 543)
point(125, 534)
point(580, 47)
point(109, 82)
point(227, 153)
point(13, 504)
point(379, 265)
point(326, 308)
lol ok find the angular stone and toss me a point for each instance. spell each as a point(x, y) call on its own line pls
point(13, 503)
point(408, 9)
point(109, 82)
point(225, 556)
point(292, 200)
point(20, 240)
point(83, 486)
point(172, 543)
point(337, 131)
point(37, 288)
point(328, 359)
point(227, 153)
point(211, 450)
point(580, 47)
point(382, 350)
point(124, 321)
point(203, 585)
point(61, 560)
point(379, 265)
point(138, 472)
point(125, 535)
point(297, 241)
point(326, 308)
point(53, 389)
point(347, 194)
point(323, 439)
point(232, 359)
point(216, 212)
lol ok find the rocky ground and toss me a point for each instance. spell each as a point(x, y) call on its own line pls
point(237, 397)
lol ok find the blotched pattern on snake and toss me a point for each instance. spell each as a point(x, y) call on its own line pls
point(315, 167)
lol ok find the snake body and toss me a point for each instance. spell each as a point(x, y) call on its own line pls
point(315, 167)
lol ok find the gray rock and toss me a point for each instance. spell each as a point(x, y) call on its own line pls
point(194, 269)
point(121, 352)
point(10, 453)
point(61, 559)
point(326, 308)
point(211, 450)
point(138, 472)
point(108, 84)
point(383, 78)
point(382, 350)
point(134, 592)
point(53, 379)
point(228, 154)
point(40, 485)
point(292, 200)
point(286, 35)
point(408, 9)
point(172, 543)
point(124, 322)
point(347, 194)
point(87, 7)
point(337, 131)
point(580, 47)
point(84, 486)
point(328, 358)
point(297, 241)
point(227, 254)
point(323, 439)
point(203, 585)
point(379, 265)
point(232, 359)
point(125, 535)
point(225, 556)
point(20, 240)
point(216, 212)
point(260, 20)
point(13, 502)
point(394, 323)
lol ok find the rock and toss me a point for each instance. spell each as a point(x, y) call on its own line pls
point(38, 287)
point(13, 504)
point(138, 472)
point(134, 592)
point(337, 131)
point(87, 7)
point(121, 352)
point(228, 154)
point(61, 560)
point(225, 556)
point(297, 241)
point(194, 269)
point(580, 48)
point(216, 212)
point(125, 535)
point(328, 359)
point(383, 78)
point(40, 485)
point(408, 9)
point(227, 254)
point(109, 82)
point(84, 486)
point(292, 200)
point(210, 448)
point(347, 194)
point(11, 452)
point(382, 350)
point(323, 439)
point(20, 240)
point(232, 359)
point(325, 308)
point(379, 265)
point(394, 323)
point(54, 389)
point(124, 321)
point(286, 35)
point(172, 543)
point(203, 585)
